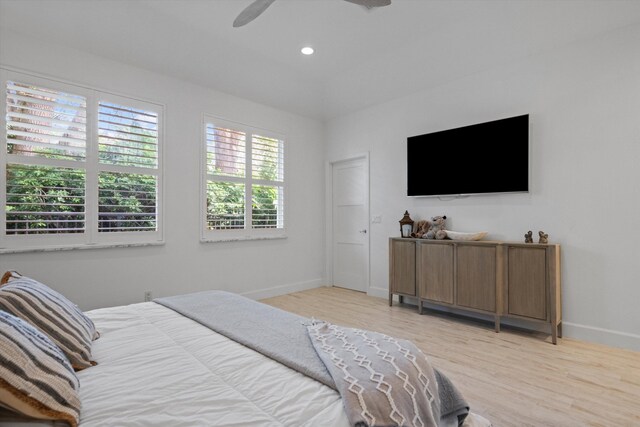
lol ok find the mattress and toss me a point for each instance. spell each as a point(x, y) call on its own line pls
point(159, 368)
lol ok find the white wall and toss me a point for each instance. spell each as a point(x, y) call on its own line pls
point(104, 277)
point(584, 102)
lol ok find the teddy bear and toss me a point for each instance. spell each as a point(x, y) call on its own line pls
point(422, 227)
point(436, 228)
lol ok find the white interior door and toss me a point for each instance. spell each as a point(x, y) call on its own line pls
point(350, 219)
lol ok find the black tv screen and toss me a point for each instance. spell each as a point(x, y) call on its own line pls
point(491, 157)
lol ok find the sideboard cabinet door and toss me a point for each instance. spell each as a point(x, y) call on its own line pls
point(435, 272)
point(476, 277)
point(402, 274)
point(527, 282)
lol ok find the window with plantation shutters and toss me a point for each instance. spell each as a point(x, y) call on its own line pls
point(81, 167)
point(243, 182)
point(128, 168)
point(226, 158)
point(267, 193)
point(45, 152)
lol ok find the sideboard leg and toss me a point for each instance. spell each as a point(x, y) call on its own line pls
point(419, 306)
point(401, 298)
point(497, 322)
point(560, 330)
point(554, 334)
point(390, 299)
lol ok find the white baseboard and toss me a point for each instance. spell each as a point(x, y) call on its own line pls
point(601, 336)
point(283, 289)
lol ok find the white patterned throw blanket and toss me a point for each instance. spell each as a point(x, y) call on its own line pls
point(383, 381)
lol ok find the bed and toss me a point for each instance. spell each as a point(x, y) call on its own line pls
point(157, 367)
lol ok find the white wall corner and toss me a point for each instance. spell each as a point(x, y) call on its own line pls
point(378, 292)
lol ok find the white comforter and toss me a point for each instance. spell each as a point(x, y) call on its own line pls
point(158, 368)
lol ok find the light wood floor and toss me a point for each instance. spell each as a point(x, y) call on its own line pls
point(514, 378)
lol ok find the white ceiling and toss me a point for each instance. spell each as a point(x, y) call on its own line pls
point(362, 57)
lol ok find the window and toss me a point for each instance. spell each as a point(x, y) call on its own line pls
point(82, 167)
point(127, 168)
point(243, 182)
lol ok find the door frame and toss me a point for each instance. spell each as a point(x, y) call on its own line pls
point(329, 217)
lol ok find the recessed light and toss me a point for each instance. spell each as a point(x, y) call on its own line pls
point(307, 50)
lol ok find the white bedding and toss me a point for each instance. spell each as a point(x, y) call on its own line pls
point(158, 368)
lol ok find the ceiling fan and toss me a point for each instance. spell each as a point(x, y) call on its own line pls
point(256, 8)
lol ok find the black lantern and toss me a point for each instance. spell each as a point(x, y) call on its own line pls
point(406, 225)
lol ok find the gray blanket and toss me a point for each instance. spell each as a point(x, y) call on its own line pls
point(285, 337)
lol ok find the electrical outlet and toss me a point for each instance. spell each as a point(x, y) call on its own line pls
point(147, 296)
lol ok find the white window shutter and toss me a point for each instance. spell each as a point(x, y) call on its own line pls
point(127, 136)
point(45, 123)
point(226, 151)
point(127, 189)
point(45, 131)
point(267, 165)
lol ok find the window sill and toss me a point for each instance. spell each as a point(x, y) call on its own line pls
point(240, 238)
point(76, 247)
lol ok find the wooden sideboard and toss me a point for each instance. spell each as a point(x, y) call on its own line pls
point(502, 279)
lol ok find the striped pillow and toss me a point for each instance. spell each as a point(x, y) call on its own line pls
point(36, 378)
point(54, 315)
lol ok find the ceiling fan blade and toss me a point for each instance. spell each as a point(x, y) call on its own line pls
point(370, 4)
point(251, 12)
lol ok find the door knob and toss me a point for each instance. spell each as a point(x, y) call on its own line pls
point(363, 231)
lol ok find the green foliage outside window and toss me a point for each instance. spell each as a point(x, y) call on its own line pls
point(44, 200)
point(127, 202)
point(47, 199)
point(225, 205)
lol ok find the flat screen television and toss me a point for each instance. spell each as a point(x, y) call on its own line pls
point(491, 157)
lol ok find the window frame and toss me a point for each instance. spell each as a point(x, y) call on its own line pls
point(90, 237)
point(248, 232)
